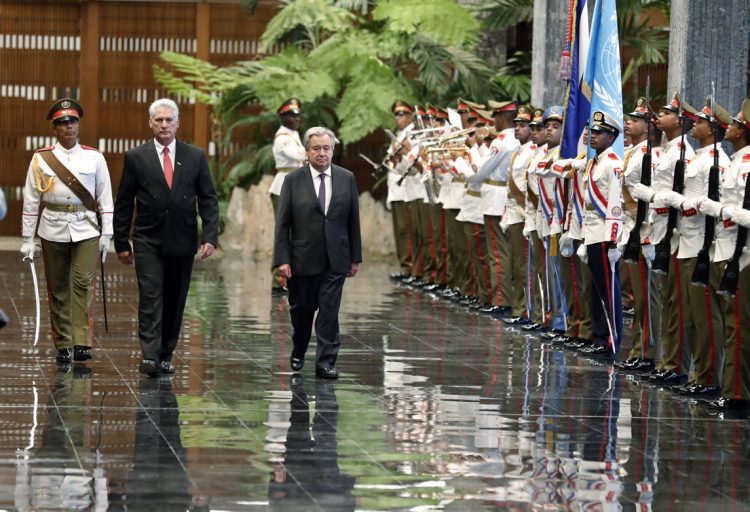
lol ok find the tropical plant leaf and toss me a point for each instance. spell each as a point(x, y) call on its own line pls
point(445, 21)
point(499, 14)
point(311, 16)
point(290, 74)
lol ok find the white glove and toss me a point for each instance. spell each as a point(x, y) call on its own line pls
point(613, 255)
point(526, 233)
point(649, 253)
point(104, 246)
point(28, 248)
point(504, 223)
point(567, 247)
point(582, 253)
point(670, 198)
point(642, 192)
point(579, 164)
point(709, 207)
point(742, 217)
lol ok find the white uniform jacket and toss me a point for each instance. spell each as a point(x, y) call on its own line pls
point(88, 165)
point(288, 153)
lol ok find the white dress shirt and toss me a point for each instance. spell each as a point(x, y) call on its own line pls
point(160, 153)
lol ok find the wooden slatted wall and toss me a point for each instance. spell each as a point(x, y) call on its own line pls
point(102, 52)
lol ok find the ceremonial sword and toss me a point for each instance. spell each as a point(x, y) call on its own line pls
point(36, 299)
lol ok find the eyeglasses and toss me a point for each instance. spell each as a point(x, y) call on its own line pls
point(401, 113)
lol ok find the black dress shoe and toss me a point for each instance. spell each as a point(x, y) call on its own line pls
point(149, 367)
point(668, 378)
point(577, 343)
point(398, 276)
point(64, 356)
point(166, 367)
point(698, 390)
point(553, 333)
point(647, 375)
point(409, 279)
point(534, 327)
point(488, 308)
point(561, 340)
point(475, 306)
point(595, 350)
point(431, 287)
point(327, 373)
point(81, 353)
point(419, 283)
point(296, 363)
point(624, 365)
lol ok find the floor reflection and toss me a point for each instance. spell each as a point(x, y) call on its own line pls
point(437, 409)
point(309, 477)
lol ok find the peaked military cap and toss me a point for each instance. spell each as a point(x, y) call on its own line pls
point(502, 106)
point(401, 106)
point(64, 110)
point(290, 106)
point(466, 105)
point(720, 114)
point(743, 117)
point(524, 114)
point(537, 119)
point(604, 122)
point(642, 110)
point(674, 106)
point(554, 113)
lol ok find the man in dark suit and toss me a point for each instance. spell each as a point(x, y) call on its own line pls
point(165, 178)
point(317, 245)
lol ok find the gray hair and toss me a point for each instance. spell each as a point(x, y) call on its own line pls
point(319, 131)
point(165, 103)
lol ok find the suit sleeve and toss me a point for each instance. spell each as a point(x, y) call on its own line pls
point(281, 252)
point(208, 203)
point(355, 237)
point(123, 215)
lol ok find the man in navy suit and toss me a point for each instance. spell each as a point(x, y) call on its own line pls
point(317, 245)
point(166, 178)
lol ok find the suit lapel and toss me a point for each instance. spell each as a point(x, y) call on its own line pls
point(180, 151)
point(338, 187)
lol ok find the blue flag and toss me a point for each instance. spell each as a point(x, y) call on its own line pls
point(577, 106)
point(602, 80)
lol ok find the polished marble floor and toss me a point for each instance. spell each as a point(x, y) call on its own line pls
point(436, 409)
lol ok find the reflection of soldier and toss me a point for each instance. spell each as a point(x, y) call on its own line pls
point(310, 476)
point(58, 475)
point(159, 479)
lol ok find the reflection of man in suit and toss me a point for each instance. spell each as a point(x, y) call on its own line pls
point(165, 178)
point(159, 480)
point(310, 477)
point(317, 245)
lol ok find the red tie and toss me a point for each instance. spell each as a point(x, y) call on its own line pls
point(168, 171)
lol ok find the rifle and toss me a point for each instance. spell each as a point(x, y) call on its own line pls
point(664, 248)
point(703, 264)
point(728, 284)
point(633, 247)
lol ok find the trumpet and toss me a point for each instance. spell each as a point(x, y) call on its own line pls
point(482, 132)
point(462, 147)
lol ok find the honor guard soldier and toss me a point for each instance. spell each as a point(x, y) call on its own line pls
point(644, 333)
point(494, 194)
point(702, 317)
point(602, 229)
point(402, 114)
point(672, 366)
point(288, 154)
point(733, 252)
point(76, 225)
point(535, 280)
point(513, 216)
